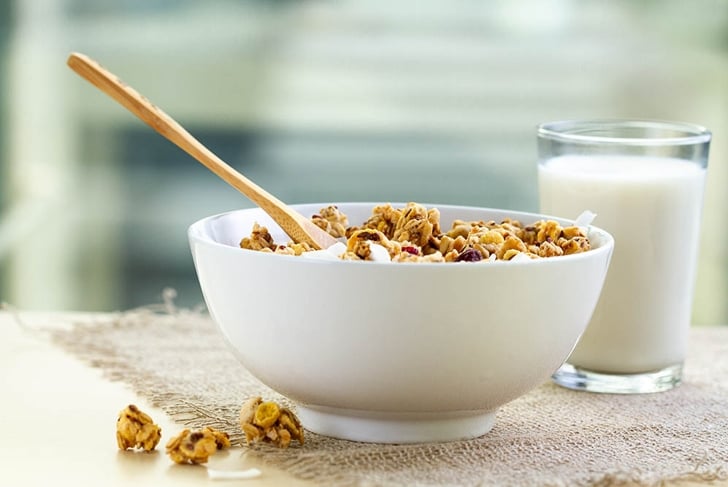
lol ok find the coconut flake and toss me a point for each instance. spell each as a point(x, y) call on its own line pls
point(331, 253)
point(319, 255)
point(584, 220)
point(520, 257)
point(379, 253)
point(250, 473)
point(337, 249)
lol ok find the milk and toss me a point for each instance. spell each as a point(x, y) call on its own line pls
point(652, 207)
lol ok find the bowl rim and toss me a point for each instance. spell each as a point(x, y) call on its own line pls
point(196, 234)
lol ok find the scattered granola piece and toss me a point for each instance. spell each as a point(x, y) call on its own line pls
point(266, 414)
point(267, 421)
point(135, 429)
point(222, 439)
point(193, 447)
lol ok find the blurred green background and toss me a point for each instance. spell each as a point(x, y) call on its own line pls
point(433, 101)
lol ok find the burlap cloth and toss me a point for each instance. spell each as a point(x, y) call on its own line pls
point(552, 436)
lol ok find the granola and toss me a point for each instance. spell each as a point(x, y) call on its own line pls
point(135, 429)
point(260, 239)
point(332, 221)
point(193, 447)
point(269, 422)
point(413, 234)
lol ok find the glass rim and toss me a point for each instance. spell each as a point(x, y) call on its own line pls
point(577, 131)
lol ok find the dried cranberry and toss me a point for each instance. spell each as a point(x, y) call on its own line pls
point(469, 255)
point(411, 250)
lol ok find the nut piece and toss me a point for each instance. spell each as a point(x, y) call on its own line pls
point(196, 447)
point(134, 429)
point(511, 246)
point(267, 421)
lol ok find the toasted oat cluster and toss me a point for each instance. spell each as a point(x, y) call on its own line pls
point(267, 421)
point(193, 447)
point(260, 239)
point(135, 429)
point(332, 221)
point(413, 234)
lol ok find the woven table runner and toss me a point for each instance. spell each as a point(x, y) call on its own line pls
point(178, 361)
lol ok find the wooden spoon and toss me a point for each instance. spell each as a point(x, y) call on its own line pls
point(298, 227)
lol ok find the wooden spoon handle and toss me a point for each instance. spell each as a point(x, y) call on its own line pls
point(294, 224)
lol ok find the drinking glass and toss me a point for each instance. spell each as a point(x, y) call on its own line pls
point(644, 180)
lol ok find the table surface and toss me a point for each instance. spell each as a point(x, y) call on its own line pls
point(60, 415)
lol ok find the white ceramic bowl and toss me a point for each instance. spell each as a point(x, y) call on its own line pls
point(393, 352)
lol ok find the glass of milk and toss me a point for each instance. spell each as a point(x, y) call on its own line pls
point(644, 180)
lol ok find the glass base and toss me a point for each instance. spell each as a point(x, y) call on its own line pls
point(573, 377)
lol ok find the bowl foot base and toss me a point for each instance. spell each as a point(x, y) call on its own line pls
point(383, 427)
